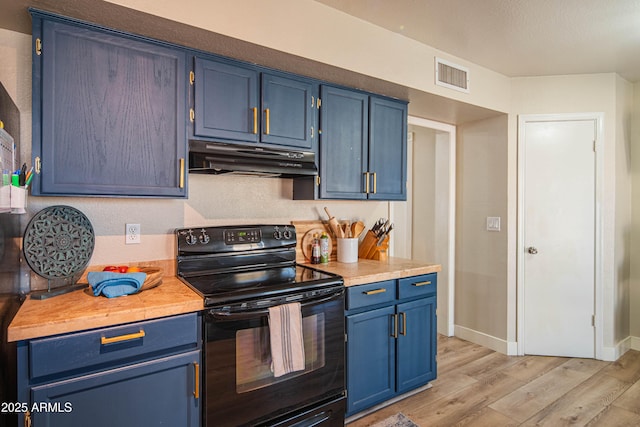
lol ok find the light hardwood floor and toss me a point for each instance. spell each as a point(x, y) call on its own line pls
point(480, 387)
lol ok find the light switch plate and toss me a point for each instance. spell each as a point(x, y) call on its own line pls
point(493, 223)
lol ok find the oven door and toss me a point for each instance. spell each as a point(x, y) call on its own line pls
point(240, 388)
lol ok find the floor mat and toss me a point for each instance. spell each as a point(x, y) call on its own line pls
point(397, 420)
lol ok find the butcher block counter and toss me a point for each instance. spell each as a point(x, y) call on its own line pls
point(80, 310)
point(368, 271)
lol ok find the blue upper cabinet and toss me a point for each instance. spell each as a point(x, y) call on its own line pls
point(110, 112)
point(363, 146)
point(388, 149)
point(229, 105)
point(288, 111)
point(226, 101)
point(344, 146)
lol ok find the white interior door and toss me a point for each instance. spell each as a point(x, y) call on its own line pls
point(559, 235)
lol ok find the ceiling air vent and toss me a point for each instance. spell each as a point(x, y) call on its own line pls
point(452, 75)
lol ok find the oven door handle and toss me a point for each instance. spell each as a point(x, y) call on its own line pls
point(250, 314)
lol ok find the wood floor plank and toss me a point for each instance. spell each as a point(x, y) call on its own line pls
point(528, 368)
point(583, 403)
point(528, 400)
point(615, 416)
point(487, 417)
point(470, 400)
point(630, 399)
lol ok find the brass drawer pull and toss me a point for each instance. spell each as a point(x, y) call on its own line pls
point(366, 182)
point(428, 282)
point(196, 392)
point(395, 326)
point(267, 114)
point(128, 337)
point(181, 178)
point(375, 291)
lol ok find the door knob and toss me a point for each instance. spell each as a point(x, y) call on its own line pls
point(532, 250)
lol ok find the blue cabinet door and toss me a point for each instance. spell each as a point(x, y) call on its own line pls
point(344, 143)
point(154, 393)
point(226, 101)
point(288, 111)
point(388, 149)
point(109, 114)
point(371, 358)
point(416, 343)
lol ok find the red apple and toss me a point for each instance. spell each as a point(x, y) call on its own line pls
point(122, 268)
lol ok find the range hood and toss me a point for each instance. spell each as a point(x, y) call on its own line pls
point(223, 158)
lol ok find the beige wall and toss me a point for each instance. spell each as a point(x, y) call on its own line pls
point(634, 292)
point(481, 255)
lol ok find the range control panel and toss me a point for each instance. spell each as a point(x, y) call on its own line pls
point(228, 239)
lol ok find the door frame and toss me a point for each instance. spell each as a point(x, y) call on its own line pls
point(598, 308)
point(446, 217)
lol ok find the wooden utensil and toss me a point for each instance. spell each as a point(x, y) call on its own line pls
point(334, 225)
point(357, 228)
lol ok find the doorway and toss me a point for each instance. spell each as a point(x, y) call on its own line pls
point(559, 174)
point(425, 223)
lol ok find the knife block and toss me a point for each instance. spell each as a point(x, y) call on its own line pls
point(369, 248)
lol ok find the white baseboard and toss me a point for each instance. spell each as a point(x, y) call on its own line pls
point(510, 348)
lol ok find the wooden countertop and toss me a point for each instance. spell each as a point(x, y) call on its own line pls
point(367, 270)
point(80, 310)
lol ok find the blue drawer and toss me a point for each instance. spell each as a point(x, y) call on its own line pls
point(101, 348)
point(417, 285)
point(371, 294)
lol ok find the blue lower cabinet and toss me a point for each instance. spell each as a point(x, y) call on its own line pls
point(137, 374)
point(416, 343)
point(391, 343)
point(371, 358)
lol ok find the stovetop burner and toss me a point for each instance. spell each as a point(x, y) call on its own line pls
point(230, 264)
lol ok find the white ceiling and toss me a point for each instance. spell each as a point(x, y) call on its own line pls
point(518, 37)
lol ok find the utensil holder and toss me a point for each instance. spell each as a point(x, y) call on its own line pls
point(348, 250)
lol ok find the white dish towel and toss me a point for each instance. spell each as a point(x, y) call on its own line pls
point(287, 342)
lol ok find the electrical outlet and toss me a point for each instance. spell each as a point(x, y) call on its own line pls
point(132, 234)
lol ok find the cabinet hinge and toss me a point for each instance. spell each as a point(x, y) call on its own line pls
point(318, 103)
point(311, 131)
point(318, 180)
point(595, 146)
point(593, 320)
point(27, 419)
point(192, 115)
point(38, 47)
point(346, 338)
point(38, 165)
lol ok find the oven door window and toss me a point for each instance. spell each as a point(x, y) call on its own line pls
point(253, 354)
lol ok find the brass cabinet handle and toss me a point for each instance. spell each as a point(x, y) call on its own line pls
point(38, 46)
point(182, 172)
point(267, 125)
point(395, 326)
point(366, 180)
point(255, 120)
point(192, 115)
point(428, 282)
point(121, 338)
point(196, 392)
point(375, 291)
point(38, 165)
point(404, 323)
point(375, 183)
